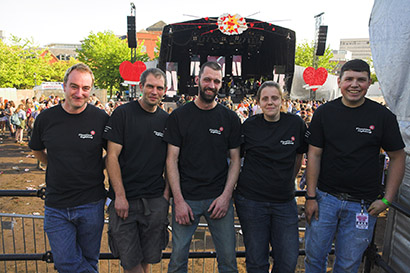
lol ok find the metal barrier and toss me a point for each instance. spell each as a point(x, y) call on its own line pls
point(25, 248)
point(29, 244)
point(371, 257)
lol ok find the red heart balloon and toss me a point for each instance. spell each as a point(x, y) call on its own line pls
point(132, 71)
point(315, 76)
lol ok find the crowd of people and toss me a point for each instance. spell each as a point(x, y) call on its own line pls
point(201, 145)
point(29, 108)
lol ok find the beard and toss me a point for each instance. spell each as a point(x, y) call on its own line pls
point(206, 97)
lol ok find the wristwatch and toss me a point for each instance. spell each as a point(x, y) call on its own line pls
point(307, 197)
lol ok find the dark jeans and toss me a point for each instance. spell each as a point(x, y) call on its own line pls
point(75, 236)
point(268, 223)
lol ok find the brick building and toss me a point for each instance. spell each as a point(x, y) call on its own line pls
point(149, 38)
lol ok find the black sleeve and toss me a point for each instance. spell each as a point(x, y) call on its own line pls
point(36, 142)
point(303, 148)
point(235, 139)
point(172, 132)
point(314, 134)
point(392, 139)
point(114, 130)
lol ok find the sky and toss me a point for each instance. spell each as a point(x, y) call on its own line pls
point(56, 21)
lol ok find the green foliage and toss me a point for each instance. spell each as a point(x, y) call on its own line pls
point(373, 75)
point(22, 65)
point(103, 53)
point(157, 48)
point(304, 56)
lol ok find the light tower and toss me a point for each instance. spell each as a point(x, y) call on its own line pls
point(132, 44)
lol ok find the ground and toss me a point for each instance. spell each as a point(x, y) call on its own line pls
point(18, 171)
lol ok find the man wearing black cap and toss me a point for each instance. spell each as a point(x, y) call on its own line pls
point(343, 177)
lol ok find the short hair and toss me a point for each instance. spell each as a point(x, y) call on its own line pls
point(153, 71)
point(80, 67)
point(355, 65)
point(268, 84)
point(213, 65)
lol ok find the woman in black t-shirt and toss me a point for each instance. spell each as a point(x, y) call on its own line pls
point(273, 148)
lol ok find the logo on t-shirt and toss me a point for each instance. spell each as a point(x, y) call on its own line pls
point(365, 130)
point(216, 131)
point(290, 141)
point(87, 136)
point(107, 128)
point(158, 134)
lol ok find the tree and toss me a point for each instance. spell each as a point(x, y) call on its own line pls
point(157, 48)
point(22, 64)
point(103, 53)
point(304, 56)
point(373, 75)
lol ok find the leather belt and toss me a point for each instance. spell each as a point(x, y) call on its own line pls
point(347, 197)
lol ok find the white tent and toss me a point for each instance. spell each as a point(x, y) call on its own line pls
point(390, 44)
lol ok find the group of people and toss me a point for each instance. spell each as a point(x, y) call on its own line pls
point(194, 156)
point(18, 119)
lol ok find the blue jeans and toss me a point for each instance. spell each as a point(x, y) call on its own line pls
point(265, 223)
point(337, 219)
point(75, 236)
point(223, 235)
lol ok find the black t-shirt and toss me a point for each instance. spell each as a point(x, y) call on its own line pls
point(143, 154)
point(351, 139)
point(74, 152)
point(270, 152)
point(204, 138)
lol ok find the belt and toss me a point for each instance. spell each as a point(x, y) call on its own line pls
point(347, 197)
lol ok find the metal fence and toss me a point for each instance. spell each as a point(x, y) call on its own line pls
point(24, 246)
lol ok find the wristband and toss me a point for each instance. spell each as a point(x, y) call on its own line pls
point(307, 197)
point(384, 200)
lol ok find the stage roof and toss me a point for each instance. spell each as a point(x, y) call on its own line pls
point(262, 45)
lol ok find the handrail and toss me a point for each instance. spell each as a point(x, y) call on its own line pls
point(48, 256)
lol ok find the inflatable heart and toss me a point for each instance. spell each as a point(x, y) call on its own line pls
point(315, 76)
point(132, 71)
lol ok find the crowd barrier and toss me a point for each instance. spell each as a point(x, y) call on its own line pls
point(24, 245)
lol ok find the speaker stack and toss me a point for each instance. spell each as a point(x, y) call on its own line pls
point(321, 41)
point(131, 32)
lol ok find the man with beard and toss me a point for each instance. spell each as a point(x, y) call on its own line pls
point(200, 136)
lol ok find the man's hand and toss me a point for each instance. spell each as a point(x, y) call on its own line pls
point(121, 207)
point(219, 207)
point(376, 207)
point(311, 209)
point(183, 213)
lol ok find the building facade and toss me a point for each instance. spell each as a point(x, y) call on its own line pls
point(360, 47)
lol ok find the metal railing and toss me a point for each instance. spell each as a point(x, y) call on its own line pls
point(29, 247)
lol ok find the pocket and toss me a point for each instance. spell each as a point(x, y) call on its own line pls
point(319, 195)
point(165, 200)
point(165, 235)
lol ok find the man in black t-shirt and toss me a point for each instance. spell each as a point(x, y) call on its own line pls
point(68, 138)
point(200, 135)
point(135, 163)
point(345, 138)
